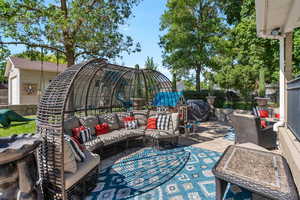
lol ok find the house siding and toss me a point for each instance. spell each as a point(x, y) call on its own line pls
point(34, 77)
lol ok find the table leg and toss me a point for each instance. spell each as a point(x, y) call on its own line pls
point(220, 188)
point(25, 181)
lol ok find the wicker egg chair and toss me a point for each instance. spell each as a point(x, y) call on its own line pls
point(89, 88)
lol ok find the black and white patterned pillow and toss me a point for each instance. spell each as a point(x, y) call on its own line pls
point(131, 124)
point(78, 153)
point(85, 135)
point(163, 121)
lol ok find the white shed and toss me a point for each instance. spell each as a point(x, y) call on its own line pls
point(27, 80)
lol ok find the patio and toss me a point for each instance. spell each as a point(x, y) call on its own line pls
point(183, 172)
point(109, 132)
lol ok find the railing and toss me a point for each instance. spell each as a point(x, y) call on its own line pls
point(293, 106)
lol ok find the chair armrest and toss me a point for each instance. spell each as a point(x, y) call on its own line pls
point(268, 129)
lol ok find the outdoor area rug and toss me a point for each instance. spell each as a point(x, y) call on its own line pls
point(182, 173)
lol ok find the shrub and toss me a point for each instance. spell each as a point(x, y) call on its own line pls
point(233, 100)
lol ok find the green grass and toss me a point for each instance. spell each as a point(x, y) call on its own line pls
point(19, 127)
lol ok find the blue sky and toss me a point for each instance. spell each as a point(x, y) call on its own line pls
point(143, 28)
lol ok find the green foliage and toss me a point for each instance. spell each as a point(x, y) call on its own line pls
point(242, 54)
point(75, 28)
point(232, 10)
point(262, 84)
point(136, 66)
point(4, 53)
point(149, 64)
point(221, 100)
point(233, 54)
point(138, 91)
point(37, 56)
point(192, 30)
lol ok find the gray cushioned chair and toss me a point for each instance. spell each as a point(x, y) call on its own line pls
point(248, 129)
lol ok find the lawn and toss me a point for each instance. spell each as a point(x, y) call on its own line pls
point(19, 127)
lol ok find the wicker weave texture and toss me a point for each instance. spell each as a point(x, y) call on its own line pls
point(90, 88)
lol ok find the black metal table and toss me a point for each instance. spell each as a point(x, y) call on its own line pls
point(264, 173)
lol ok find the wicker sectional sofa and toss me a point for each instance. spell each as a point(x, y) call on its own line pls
point(118, 132)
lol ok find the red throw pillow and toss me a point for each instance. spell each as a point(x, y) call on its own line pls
point(263, 113)
point(263, 123)
point(75, 139)
point(76, 131)
point(152, 123)
point(277, 116)
point(128, 119)
point(102, 129)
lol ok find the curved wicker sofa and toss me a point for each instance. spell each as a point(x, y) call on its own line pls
point(91, 89)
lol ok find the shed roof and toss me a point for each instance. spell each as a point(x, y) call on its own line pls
point(23, 63)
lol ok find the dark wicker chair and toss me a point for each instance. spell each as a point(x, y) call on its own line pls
point(248, 129)
point(87, 89)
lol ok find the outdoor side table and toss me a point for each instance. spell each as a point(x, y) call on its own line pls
point(264, 173)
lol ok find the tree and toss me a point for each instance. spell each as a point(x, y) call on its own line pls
point(149, 64)
point(3, 55)
point(75, 28)
point(192, 29)
point(242, 54)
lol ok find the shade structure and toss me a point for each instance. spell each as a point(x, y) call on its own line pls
point(89, 88)
point(168, 99)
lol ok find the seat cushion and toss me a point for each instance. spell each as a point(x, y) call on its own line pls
point(140, 131)
point(158, 134)
point(112, 137)
point(71, 123)
point(93, 144)
point(83, 168)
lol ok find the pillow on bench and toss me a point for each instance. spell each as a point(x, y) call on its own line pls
point(111, 119)
point(130, 123)
point(141, 117)
point(163, 121)
point(152, 123)
point(71, 123)
point(78, 153)
point(102, 129)
point(70, 164)
point(89, 122)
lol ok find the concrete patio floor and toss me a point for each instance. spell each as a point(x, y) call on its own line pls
point(209, 135)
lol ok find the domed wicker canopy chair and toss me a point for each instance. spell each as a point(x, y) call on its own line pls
point(90, 88)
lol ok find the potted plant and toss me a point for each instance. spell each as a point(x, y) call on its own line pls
point(138, 99)
point(210, 98)
point(262, 100)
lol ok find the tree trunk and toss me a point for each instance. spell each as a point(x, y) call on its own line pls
point(174, 80)
point(70, 56)
point(198, 72)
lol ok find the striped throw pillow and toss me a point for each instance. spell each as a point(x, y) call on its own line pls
point(78, 153)
point(133, 124)
point(163, 121)
point(85, 135)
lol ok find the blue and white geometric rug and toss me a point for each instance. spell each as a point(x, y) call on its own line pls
point(182, 173)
